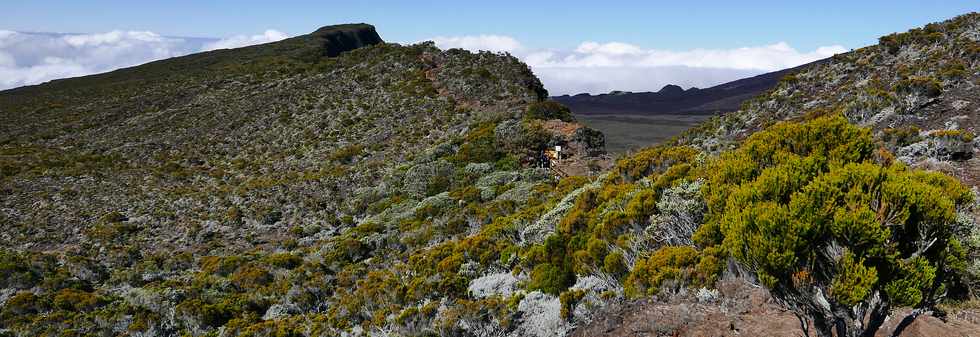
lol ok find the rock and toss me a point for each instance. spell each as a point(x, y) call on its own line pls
point(939, 148)
point(277, 311)
point(342, 38)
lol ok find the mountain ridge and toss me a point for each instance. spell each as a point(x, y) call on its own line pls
point(721, 98)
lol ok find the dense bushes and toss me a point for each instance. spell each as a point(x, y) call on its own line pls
point(806, 208)
point(347, 153)
point(551, 279)
point(549, 110)
point(926, 86)
point(16, 270)
point(479, 146)
point(652, 160)
point(682, 265)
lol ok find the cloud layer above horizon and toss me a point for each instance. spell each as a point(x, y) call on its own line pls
point(32, 58)
point(595, 67)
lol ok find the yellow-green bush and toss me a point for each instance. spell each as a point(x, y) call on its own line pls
point(806, 207)
point(284, 260)
point(479, 145)
point(651, 160)
point(684, 264)
point(75, 300)
point(251, 276)
point(961, 135)
point(568, 300)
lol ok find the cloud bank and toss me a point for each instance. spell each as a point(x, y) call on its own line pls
point(494, 43)
point(593, 67)
point(602, 67)
point(237, 41)
point(32, 58)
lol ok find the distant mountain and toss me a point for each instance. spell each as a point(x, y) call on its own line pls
point(672, 99)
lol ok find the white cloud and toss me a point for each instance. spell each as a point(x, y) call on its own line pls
point(573, 80)
point(245, 40)
point(494, 43)
point(602, 67)
point(32, 58)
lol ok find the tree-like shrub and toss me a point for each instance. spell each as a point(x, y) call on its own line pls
point(551, 279)
point(835, 236)
point(549, 110)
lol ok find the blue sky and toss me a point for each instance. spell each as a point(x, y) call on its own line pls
point(661, 24)
point(572, 46)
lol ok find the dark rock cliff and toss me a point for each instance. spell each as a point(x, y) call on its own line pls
point(341, 38)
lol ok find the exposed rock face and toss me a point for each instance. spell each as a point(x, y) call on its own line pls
point(338, 39)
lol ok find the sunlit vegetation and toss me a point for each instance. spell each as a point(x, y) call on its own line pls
point(807, 208)
point(403, 196)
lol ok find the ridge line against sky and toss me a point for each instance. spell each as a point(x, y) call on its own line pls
point(31, 58)
point(572, 46)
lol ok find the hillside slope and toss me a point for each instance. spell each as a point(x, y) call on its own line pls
point(917, 95)
point(181, 141)
point(208, 192)
point(404, 191)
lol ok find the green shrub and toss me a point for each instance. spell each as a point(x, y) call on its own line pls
point(807, 209)
point(347, 154)
point(479, 146)
point(667, 263)
point(75, 300)
point(550, 279)
point(568, 300)
point(22, 303)
point(961, 135)
point(16, 270)
point(614, 264)
point(284, 260)
point(928, 86)
point(207, 314)
point(902, 136)
point(652, 160)
point(547, 110)
point(251, 276)
point(953, 70)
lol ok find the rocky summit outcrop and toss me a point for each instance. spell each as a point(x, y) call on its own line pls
point(339, 39)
